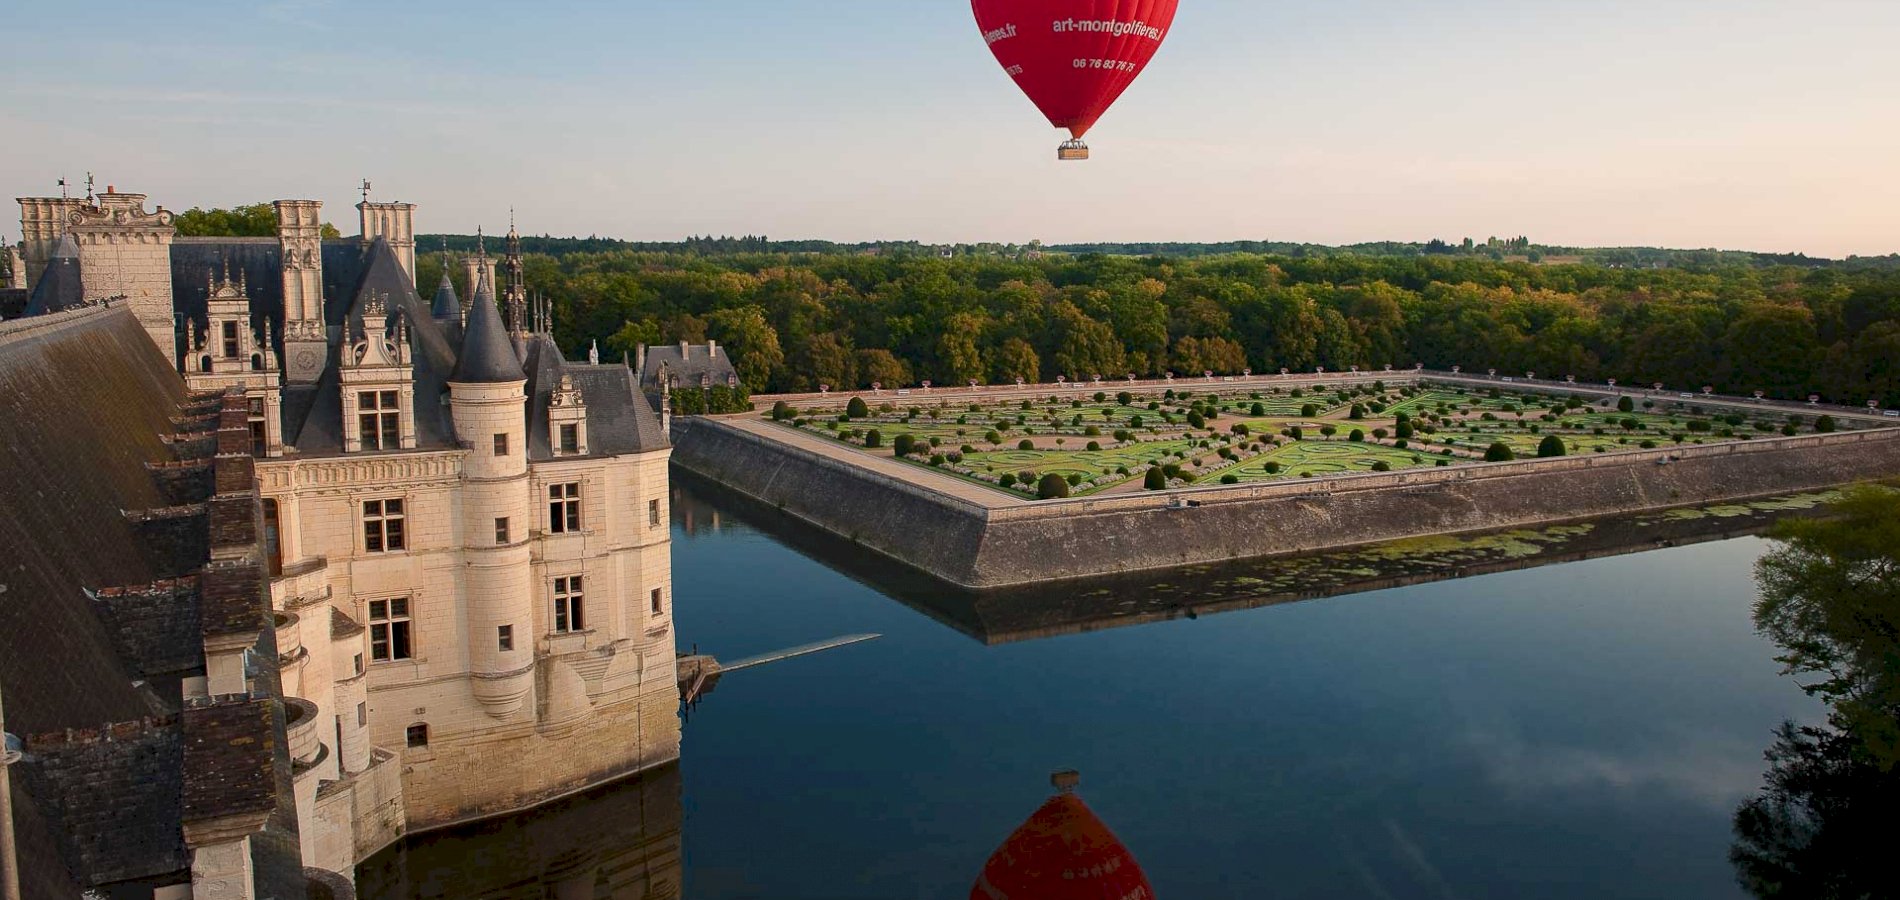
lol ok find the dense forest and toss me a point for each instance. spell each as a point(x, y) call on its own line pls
point(905, 314)
point(801, 314)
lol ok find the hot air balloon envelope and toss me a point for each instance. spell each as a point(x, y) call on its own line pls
point(1063, 852)
point(1074, 57)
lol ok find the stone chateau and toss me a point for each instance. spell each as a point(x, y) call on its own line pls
point(457, 541)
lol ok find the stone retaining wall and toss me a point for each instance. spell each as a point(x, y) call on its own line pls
point(1029, 542)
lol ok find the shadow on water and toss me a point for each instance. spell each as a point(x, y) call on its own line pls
point(1830, 599)
point(1010, 615)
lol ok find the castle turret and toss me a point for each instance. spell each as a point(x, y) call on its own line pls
point(489, 406)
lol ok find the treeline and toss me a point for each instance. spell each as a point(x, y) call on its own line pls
point(797, 321)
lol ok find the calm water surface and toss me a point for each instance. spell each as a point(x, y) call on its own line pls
point(1578, 730)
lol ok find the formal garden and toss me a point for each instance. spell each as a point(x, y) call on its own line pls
point(1097, 442)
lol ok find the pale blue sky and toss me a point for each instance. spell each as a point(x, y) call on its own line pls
point(1731, 123)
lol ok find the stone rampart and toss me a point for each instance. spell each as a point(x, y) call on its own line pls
point(918, 526)
point(1028, 542)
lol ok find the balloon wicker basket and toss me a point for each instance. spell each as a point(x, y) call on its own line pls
point(1072, 150)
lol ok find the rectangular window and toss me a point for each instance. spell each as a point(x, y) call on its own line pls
point(505, 638)
point(570, 613)
point(570, 439)
point(501, 444)
point(564, 508)
point(362, 714)
point(379, 419)
point(230, 340)
point(653, 513)
point(501, 531)
point(389, 630)
point(418, 735)
point(383, 526)
point(359, 663)
point(658, 607)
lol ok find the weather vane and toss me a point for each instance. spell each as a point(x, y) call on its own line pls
point(63, 194)
point(88, 187)
point(365, 190)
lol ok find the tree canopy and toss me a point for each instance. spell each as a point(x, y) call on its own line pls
point(254, 220)
point(799, 320)
point(1830, 599)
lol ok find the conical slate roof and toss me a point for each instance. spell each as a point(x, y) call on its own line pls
point(487, 355)
point(445, 305)
point(58, 288)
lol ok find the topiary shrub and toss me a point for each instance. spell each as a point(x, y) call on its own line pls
point(781, 411)
point(1259, 409)
point(873, 439)
point(857, 409)
point(1328, 430)
point(1824, 425)
point(1499, 452)
point(1026, 444)
point(1273, 468)
point(1309, 410)
point(1550, 446)
point(1297, 433)
point(1230, 478)
point(1625, 404)
point(1357, 436)
point(1155, 480)
point(1195, 420)
point(1382, 466)
point(1007, 479)
point(938, 459)
point(1241, 429)
point(1357, 412)
point(1094, 446)
point(1124, 398)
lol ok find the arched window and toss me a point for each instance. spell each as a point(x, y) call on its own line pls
point(419, 734)
point(204, 364)
point(257, 362)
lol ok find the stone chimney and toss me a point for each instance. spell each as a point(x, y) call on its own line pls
point(43, 222)
point(395, 223)
point(712, 349)
point(640, 359)
point(685, 351)
point(16, 269)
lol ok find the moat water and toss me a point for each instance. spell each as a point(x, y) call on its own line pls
point(1580, 729)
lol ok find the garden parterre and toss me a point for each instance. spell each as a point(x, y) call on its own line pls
point(1098, 441)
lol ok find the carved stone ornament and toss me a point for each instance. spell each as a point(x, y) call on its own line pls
point(93, 215)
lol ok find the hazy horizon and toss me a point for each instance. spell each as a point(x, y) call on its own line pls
point(1677, 123)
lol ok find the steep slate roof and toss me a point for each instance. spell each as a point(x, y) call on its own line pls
point(313, 415)
point(698, 360)
point(619, 420)
point(446, 305)
point(59, 286)
point(487, 355)
point(196, 260)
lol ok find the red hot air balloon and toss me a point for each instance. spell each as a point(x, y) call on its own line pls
point(1062, 853)
point(1074, 57)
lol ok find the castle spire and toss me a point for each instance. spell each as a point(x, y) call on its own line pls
point(517, 291)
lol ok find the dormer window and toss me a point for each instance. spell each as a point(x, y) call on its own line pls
point(230, 340)
point(379, 419)
point(567, 419)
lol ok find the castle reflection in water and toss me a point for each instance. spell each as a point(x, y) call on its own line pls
point(618, 842)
